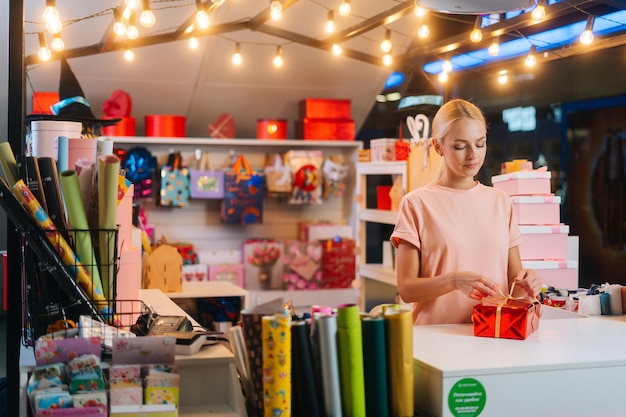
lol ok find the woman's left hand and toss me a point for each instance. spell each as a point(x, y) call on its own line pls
point(529, 281)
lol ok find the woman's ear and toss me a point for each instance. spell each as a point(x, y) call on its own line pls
point(437, 146)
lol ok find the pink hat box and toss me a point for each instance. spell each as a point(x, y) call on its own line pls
point(543, 242)
point(523, 182)
point(537, 209)
point(557, 274)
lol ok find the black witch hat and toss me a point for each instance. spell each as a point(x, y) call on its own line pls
point(73, 106)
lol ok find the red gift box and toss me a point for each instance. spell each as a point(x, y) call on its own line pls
point(43, 100)
point(271, 129)
point(506, 317)
point(338, 262)
point(324, 129)
point(324, 108)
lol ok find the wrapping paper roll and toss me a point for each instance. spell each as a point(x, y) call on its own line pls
point(305, 396)
point(326, 331)
point(108, 172)
point(589, 305)
point(104, 146)
point(69, 258)
point(62, 153)
point(351, 372)
point(80, 228)
point(318, 310)
point(276, 331)
point(399, 325)
point(375, 362)
point(615, 298)
point(8, 163)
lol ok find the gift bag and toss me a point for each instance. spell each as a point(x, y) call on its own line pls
point(174, 183)
point(302, 265)
point(243, 194)
point(506, 317)
point(335, 171)
point(206, 183)
point(423, 162)
point(277, 176)
point(306, 167)
point(338, 262)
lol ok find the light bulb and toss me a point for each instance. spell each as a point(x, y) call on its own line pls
point(278, 58)
point(44, 53)
point(447, 65)
point(50, 12)
point(147, 18)
point(531, 60)
point(477, 34)
point(129, 55)
point(127, 13)
point(57, 43)
point(276, 9)
point(539, 12)
point(443, 77)
point(193, 42)
point(419, 11)
point(586, 38)
point(336, 49)
point(133, 4)
point(119, 28)
point(54, 26)
point(237, 59)
point(132, 32)
point(385, 45)
point(503, 77)
point(330, 23)
point(345, 8)
point(423, 31)
point(494, 48)
point(387, 59)
point(202, 19)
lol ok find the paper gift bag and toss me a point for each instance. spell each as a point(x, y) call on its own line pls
point(243, 194)
point(506, 317)
point(277, 176)
point(338, 262)
point(174, 183)
point(423, 161)
point(206, 182)
point(302, 265)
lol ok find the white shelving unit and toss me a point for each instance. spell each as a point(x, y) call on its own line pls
point(374, 273)
point(200, 224)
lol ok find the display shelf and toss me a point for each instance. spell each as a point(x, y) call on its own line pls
point(209, 289)
point(378, 216)
point(303, 300)
point(378, 272)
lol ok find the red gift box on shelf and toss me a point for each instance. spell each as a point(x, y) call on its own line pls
point(271, 129)
point(338, 262)
point(324, 129)
point(43, 100)
point(324, 108)
point(506, 317)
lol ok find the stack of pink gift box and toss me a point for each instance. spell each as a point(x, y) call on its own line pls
point(545, 240)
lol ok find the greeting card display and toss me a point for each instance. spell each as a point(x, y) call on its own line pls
point(263, 261)
point(243, 194)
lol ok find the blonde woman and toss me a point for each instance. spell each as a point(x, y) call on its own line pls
point(456, 238)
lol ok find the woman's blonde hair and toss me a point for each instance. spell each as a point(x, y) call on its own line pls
point(451, 111)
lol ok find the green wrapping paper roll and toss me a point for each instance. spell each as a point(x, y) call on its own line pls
point(399, 325)
point(8, 163)
point(108, 173)
point(276, 331)
point(375, 366)
point(80, 227)
point(351, 372)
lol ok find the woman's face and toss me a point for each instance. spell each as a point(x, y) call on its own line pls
point(463, 148)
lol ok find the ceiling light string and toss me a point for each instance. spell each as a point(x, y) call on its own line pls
point(539, 12)
point(43, 53)
point(147, 18)
point(476, 35)
point(51, 17)
point(586, 38)
point(276, 9)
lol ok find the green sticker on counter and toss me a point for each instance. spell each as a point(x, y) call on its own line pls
point(467, 398)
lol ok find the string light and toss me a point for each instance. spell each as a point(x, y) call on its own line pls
point(133, 4)
point(336, 49)
point(385, 45)
point(276, 9)
point(443, 77)
point(345, 8)
point(43, 53)
point(419, 11)
point(132, 32)
point(193, 42)
point(50, 12)
point(477, 34)
point(237, 59)
point(539, 12)
point(330, 23)
point(147, 18)
point(531, 60)
point(446, 66)
point(387, 59)
point(129, 55)
point(494, 48)
point(586, 38)
point(503, 77)
point(119, 28)
point(202, 17)
point(278, 60)
point(57, 43)
point(423, 31)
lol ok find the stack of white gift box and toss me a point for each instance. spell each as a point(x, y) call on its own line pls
point(546, 245)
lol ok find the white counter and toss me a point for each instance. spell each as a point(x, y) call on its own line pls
point(572, 366)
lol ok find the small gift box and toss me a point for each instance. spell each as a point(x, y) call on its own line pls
point(506, 317)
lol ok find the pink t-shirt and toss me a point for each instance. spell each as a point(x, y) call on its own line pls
point(457, 230)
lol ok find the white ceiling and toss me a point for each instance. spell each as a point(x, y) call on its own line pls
point(201, 84)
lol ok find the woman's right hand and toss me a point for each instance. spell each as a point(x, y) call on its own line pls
point(474, 285)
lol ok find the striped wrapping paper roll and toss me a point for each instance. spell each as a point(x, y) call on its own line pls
point(351, 372)
point(276, 331)
point(399, 327)
point(375, 363)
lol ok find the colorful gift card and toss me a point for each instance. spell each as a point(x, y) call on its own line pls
point(161, 395)
point(143, 350)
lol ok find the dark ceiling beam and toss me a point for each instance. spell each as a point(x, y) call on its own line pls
point(381, 19)
point(264, 16)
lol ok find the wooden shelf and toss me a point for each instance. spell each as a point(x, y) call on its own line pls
point(378, 216)
point(378, 272)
